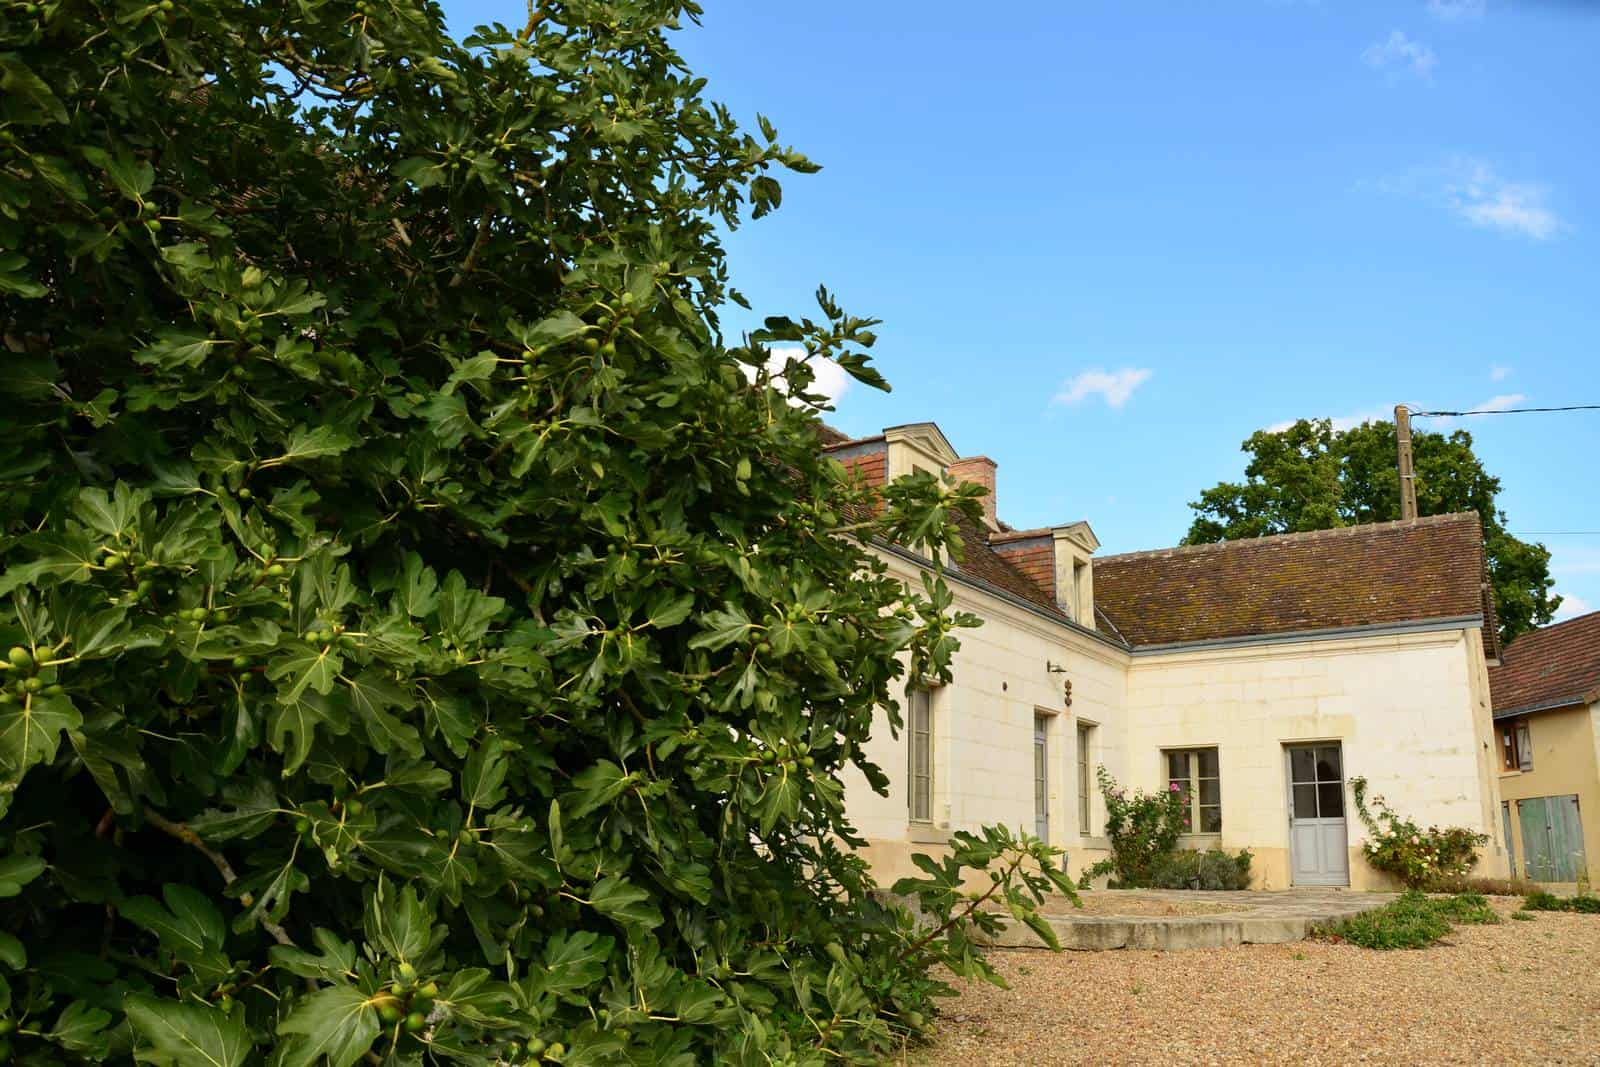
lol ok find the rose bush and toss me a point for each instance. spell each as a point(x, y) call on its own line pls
point(1420, 858)
point(1143, 829)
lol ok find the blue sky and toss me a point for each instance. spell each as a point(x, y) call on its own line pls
point(1110, 240)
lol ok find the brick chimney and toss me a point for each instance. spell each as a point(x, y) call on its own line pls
point(979, 470)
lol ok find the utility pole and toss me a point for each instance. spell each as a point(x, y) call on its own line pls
point(1408, 476)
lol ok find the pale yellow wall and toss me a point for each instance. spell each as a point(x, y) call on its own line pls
point(1403, 708)
point(1566, 760)
point(983, 743)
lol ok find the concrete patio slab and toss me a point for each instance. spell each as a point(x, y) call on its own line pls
point(1250, 918)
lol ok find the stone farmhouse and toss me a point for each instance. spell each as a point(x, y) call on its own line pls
point(1547, 733)
point(1256, 676)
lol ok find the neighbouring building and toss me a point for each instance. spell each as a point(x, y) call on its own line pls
point(1256, 676)
point(1547, 738)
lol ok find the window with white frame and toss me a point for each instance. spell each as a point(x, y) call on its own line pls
point(1196, 773)
point(919, 732)
point(1085, 739)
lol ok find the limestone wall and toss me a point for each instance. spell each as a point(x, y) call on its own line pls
point(1404, 708)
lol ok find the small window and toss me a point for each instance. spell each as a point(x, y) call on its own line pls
point(1516, 746)
point(920, 730)
point(1084, 738)
point(1196, 773)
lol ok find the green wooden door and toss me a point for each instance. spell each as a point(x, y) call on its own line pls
point(1552, 838)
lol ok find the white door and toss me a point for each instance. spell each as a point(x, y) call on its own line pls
point(1319, 851)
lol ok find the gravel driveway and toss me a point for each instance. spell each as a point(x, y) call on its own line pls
point(1519, 992)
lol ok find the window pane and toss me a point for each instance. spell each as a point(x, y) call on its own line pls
point(1188, 820)
point(1210, 820)
point(1177, 765)
point(1524, 748)
point(1328, 765)
point(1330, 800)
point(1302, 765)
point(1208, 762)
point(1210, 791)
point(1305, 802)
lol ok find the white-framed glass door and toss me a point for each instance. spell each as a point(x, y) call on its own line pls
point(1319, 846)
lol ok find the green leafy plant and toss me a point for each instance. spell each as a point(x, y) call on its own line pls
point(1213, 869)
point(430, 637)
point(1466, 909)
point(1420, 858)
point(1022, 873)
point(1143, 829)
point(1414, 920)
point(1543, 900)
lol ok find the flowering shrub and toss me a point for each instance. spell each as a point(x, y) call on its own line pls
point(1419, 858)
point(1143, 828)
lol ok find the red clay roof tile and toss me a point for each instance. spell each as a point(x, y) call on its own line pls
point(1557, 665)
point(1393, 572)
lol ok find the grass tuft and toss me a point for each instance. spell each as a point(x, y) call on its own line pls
point(1540, 900)
point(1415, 920)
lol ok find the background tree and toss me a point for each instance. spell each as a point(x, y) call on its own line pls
point(426, 644)
point(1313, 477)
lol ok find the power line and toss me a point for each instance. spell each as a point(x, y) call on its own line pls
point(1556, 533)
point(1505, 411)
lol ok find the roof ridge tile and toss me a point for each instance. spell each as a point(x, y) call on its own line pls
point(1297, 536)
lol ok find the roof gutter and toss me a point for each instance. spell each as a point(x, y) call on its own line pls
point(1458, 622)
point(1576, 700)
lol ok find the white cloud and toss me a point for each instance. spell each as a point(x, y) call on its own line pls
point(831, 380)
point(1499, 373)
point(1572, 606)
point(1115, 387)
point(1445, 423)
point(1499, 403)
point(1475, 192)
point(1457, 10)
point(1400, 52)
point(1341, 422)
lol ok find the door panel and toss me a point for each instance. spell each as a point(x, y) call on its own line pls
point(1566, 837)
point(1318, 837)
point(1552, 838)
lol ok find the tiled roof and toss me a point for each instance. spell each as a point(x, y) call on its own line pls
point(1392, 572)
point(1557, 665)
point(830, 436)
point(982, 562)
